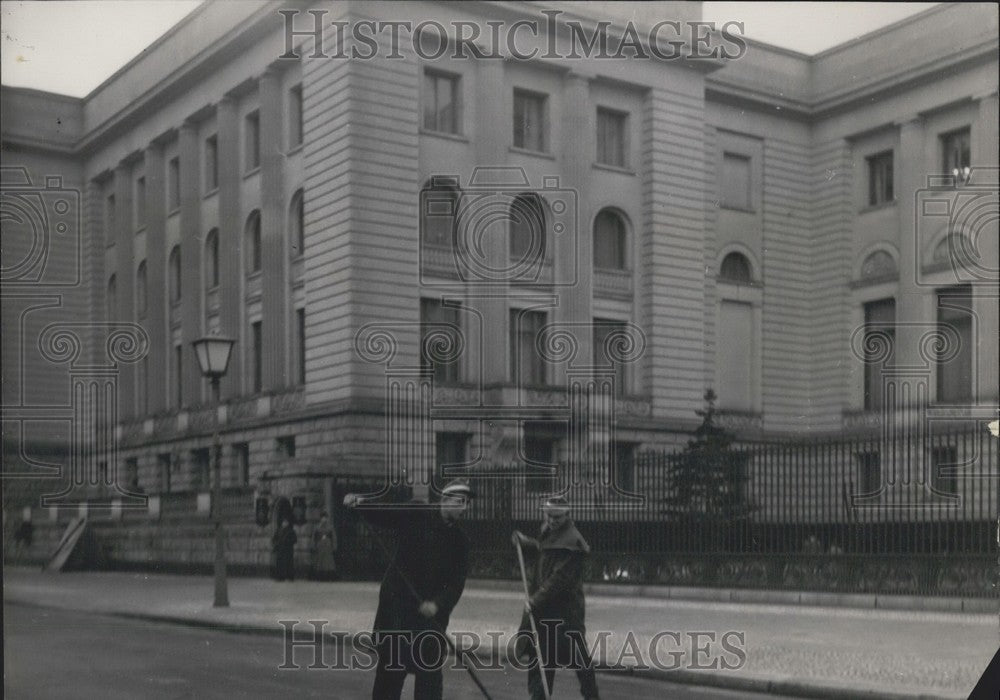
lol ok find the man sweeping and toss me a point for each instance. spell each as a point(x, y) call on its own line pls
point(556, 602)
point(419, 590)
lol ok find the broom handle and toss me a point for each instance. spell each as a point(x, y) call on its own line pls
point(531, 619)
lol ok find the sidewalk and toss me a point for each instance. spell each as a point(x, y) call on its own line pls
point(789, 649)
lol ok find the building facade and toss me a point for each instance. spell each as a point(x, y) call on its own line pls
point(431, 261)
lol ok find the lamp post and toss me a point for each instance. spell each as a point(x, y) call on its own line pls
point(213, 353)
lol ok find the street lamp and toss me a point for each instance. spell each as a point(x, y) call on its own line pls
point(213, 353)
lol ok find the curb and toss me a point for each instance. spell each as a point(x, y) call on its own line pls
point(795, 688)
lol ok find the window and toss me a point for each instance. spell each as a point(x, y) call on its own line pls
point(869, 473)
point(440, 98)
point(112, 300)
point(529, 120)
point(296, 225)
point(174, 267)
point(440, 329)
point(212, 259)
point(611, 137)
point(300, 343)
point(944, 462)
point(252, 242)
point(295, 128)
point(178, 393)
point(173, 184)
point(285, 445)
point(880, 178)
point(132, 474)
point(438, 214)
point(878, 266)
point(110, 220)
point(956, 154)
point(527, 364)
point(541, 439)
point(143, 385)
point(140, 203)
point(735, 182)
point(624, 464)
point(241, 457)
point(251, 143)
point(609, 240)
point(954, 353)
point(140, 290)
point(163, 467)
point(211, 163)
point(605, 333)
point(201, 466)
point(256, 365)
point(449, 451)
point(879, 345)
point(736, 356)
point(735, 268)
point(527, 230)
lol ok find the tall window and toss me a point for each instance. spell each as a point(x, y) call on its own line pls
point(174, 266)
point(241, 457)
point(438, 213)
point(112, 300)
point(440, 98)
point(527, 367)
point(296, 225)
point(256, 359)
point(212, 259)
point(880, 320)
point(211, 163)
point(604, 332)
point(735, 181)
point(624, 464)
point(529, 120)
point(110, 220)
point(140, 290)
point(735, 268)
point(251, 141)
point(609, 240)
point(954, 360)
point(143, 385)
point(611, 127)
point(541, 440)
point(880, 178)
point(201, 460)
point(300, 336)
point(869, 472)
point(295, 129)
point(944, 463)
point(173, 184)
point(736, 356)
point(132, 474)
point(140, 203)
point(527, 229)
point(439, 325)
point(449, 451)
point(252, 242)
point(178, 393)
point(163, 466)
point(956, 153)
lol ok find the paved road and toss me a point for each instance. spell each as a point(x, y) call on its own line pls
point(54, 654)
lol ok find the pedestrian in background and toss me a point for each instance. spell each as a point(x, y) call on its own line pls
point(555, 585)
point(421, 587)
point(284, 551)
point(324, 547)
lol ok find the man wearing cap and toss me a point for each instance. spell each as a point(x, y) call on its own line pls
point(555, 585)
point(419, 590)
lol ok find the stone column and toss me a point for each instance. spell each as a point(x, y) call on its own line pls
point(985, 240)
point(274, 246)
point(157, 307)
point(127, 267)
point(230, 241)
point(191, 251)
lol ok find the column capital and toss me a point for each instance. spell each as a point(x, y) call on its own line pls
point(910, 121)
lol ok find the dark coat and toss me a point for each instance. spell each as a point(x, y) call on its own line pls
point(555, 581)
point(433, 556)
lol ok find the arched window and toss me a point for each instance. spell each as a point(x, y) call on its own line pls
point(212, 259)
point(112, 298)
point(174, 267)
point(527, 229)
point(140, 290)
point(735, 268)
point(252, 242)
point(297, 225)
point(878, 264)
point(609, 240)
point(437, 216)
